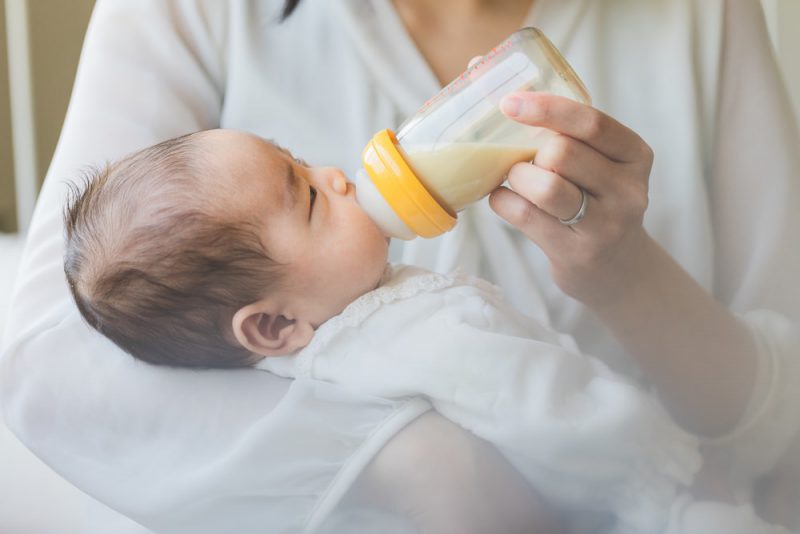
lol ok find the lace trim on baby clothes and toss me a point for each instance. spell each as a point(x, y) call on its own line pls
point(398, 282)
point(487, 287)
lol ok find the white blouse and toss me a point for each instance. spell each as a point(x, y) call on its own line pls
point(187, 451)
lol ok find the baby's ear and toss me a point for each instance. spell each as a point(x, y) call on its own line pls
point(265, 331)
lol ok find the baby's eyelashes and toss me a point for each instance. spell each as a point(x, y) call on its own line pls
point(312, 193)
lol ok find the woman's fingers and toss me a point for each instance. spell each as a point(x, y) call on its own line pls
point(571, 159)
point(547, 190)
point(538, 225)
point(579, 121)
point(590, 151)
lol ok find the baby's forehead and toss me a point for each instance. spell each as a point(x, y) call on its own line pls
point(230, 137)
point(241, 151)
point(247, 170)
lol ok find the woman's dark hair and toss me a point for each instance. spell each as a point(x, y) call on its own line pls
point(288, 8)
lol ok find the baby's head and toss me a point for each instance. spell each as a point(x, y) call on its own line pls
point(217, 249)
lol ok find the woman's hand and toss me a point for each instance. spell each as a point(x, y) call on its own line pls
point(595, 259)
point(609, 262)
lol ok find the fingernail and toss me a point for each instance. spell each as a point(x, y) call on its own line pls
point(511, 106)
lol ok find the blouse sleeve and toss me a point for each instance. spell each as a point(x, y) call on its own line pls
point(755, 191)
point(174, 449)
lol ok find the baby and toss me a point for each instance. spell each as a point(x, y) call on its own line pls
point(219, 249)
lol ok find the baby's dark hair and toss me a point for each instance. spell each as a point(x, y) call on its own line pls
point(154, 267)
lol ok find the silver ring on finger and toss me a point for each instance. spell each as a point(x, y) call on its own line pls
point(581, 210)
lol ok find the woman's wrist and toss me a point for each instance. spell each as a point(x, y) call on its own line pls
point(631, 288)
point(626, 282)
point(701, 358)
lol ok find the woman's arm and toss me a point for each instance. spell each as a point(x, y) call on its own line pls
point(468, 486)
point(677, 332)
point(702, 357)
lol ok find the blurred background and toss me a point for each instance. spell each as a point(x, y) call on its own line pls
point(40, 43)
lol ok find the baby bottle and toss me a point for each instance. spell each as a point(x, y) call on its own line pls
point(459, 146)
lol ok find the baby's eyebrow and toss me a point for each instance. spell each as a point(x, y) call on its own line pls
point(290, 192)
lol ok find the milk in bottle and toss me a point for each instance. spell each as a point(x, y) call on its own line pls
point(459, 146)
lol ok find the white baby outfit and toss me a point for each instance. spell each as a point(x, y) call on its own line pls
point(584, 437)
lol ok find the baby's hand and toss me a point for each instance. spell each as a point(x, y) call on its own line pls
point(445, 480)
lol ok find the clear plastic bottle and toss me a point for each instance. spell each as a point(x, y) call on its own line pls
point(459, 146)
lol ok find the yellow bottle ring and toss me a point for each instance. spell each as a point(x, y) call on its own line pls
point(401, 188)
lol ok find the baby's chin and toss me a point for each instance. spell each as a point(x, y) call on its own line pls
point(380, 264)
point(373, 283)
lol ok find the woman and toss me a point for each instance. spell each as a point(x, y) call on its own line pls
point(667, 293)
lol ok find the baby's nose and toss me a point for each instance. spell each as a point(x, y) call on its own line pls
point(339, 184)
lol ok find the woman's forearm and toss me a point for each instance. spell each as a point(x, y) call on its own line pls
point(445, 480)
point(700, 357)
